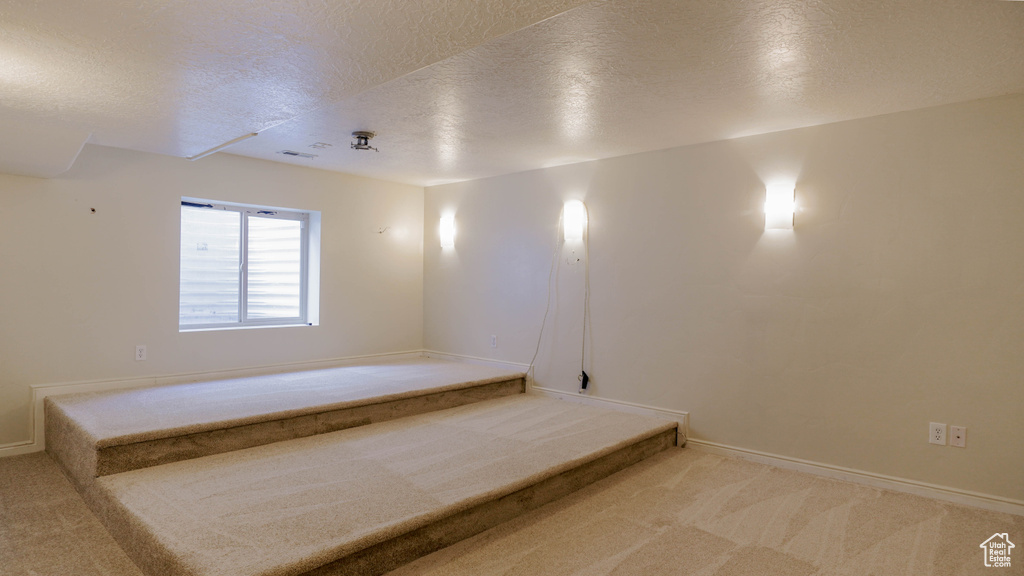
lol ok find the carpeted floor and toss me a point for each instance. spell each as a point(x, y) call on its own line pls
point(157, 412)
point(686, 512)
point(101, 433)
point(290, 507)
point(680, 512)
point(47, 530)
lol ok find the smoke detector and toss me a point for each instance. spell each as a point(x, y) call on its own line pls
point(363, 140)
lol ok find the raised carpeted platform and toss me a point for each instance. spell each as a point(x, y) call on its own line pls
point(368, 499)
point(353, 470)
point(97, 434)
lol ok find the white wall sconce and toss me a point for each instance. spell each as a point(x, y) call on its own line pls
point(779, 207)
point(448, 231)
point(574, 220)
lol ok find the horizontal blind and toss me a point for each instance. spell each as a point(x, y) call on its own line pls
point(210, 261)
point(274, 268)
point(241, 265)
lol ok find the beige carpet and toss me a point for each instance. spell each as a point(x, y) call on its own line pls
point(47, 530)
point(686, 512)
point(293, 506)
point(680, 512)
point(121, 416)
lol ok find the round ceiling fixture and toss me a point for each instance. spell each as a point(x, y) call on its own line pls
point(363, 140)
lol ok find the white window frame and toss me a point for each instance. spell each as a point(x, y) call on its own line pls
point(308, 220)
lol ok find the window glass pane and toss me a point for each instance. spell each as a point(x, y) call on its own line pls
point(210, 258)
point(275, 269)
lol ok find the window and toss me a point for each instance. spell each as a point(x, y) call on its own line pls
point(245, 265)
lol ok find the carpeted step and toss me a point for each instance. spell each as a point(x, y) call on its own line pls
point(96, 434)
point(368, 499)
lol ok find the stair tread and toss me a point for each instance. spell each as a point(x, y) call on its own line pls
point(296, 505)
point(120, 417)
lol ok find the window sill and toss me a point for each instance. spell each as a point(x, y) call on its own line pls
point(243, 327)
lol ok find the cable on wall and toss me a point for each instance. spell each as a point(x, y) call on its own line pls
point(547, 304)
point(584, 379)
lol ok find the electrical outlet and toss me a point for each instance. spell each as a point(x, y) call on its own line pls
point(958, 436)
point(494, 341)
point(937, 433)
point(140, 352)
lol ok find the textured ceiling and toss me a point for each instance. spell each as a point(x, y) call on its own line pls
point(465, 89)
point(181, 76)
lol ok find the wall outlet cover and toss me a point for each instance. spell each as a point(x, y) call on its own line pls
point(937, 433)
point(958, 436)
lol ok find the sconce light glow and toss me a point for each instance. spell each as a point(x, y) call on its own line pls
point(448, 231)
point(574, 220)
point(779, 206)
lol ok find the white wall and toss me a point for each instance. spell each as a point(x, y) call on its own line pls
point(897, 300)
point(79, 290)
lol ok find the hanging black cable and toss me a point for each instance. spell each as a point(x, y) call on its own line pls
point(547, 304)
point(584, 379)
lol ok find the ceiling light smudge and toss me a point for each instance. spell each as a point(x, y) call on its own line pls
point(299, 154)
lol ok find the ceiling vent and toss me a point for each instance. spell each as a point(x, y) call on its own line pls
point(299, 154)
point(363, 140)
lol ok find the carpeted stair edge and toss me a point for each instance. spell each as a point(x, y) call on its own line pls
point(84, 458)
point(402, 543)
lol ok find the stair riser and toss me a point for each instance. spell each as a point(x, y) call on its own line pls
point(69, 446)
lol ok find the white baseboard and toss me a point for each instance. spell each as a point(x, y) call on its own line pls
point(40, 391)
point(681, 418)
point(37, 442)
point(956, 495)
point(17, 448)
point(677, 416)
point(965, 497)
point(513, 366)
